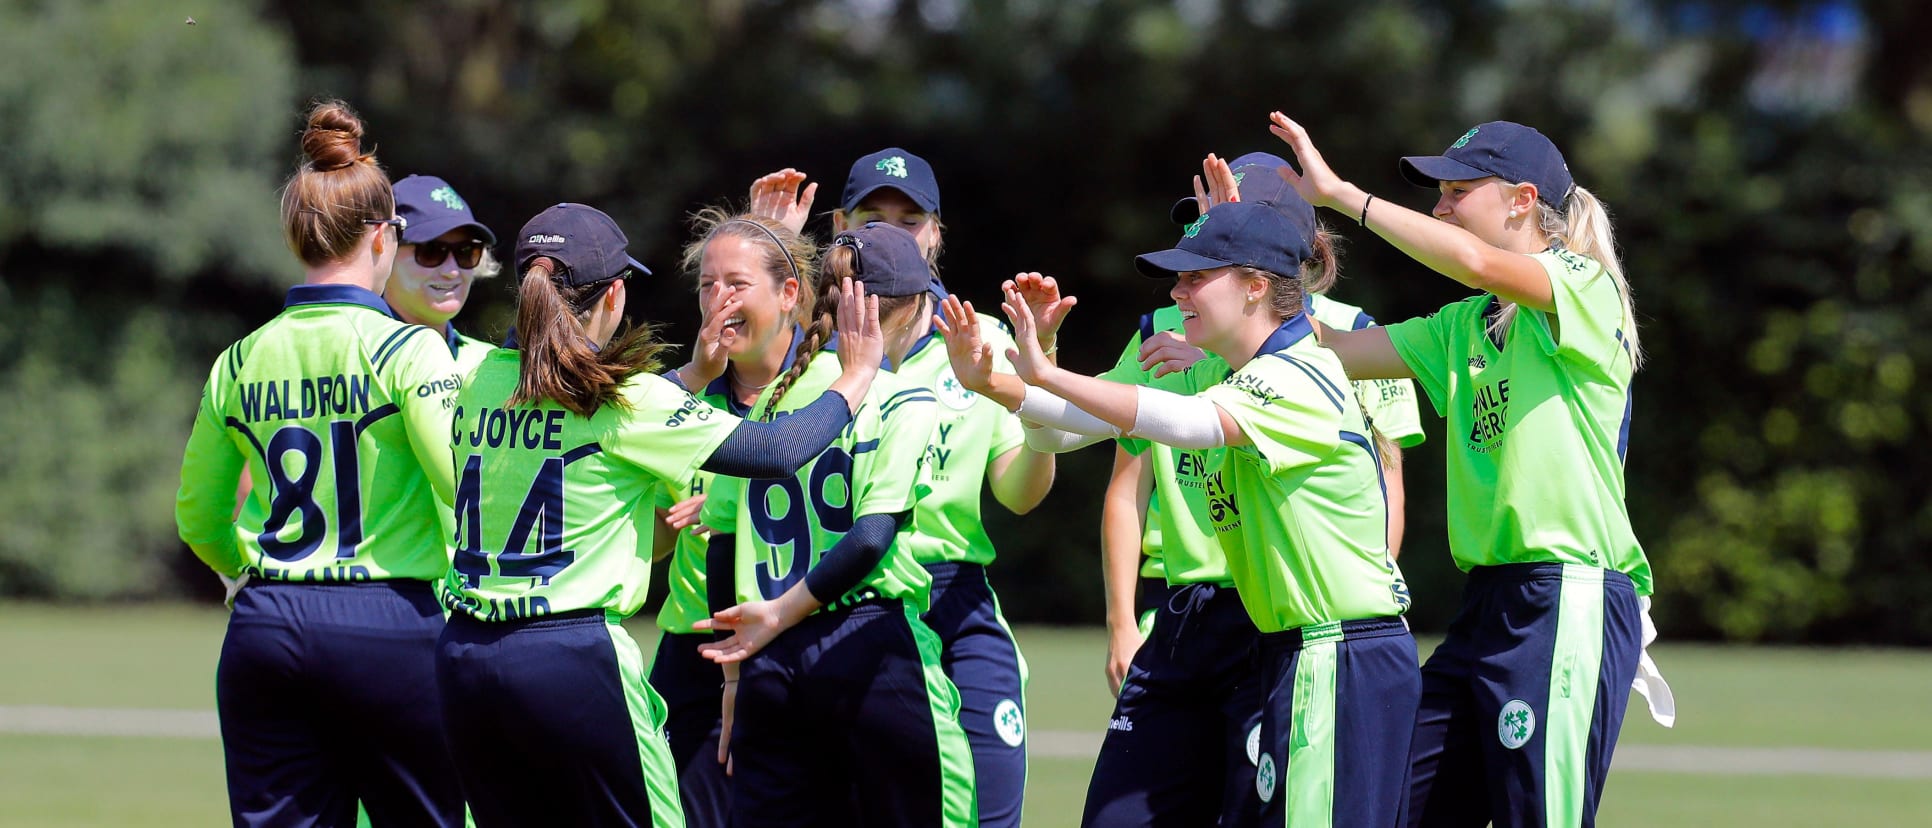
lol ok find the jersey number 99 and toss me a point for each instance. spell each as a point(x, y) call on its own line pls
point(778, 516)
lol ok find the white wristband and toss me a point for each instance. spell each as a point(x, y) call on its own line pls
point(1176, 420)
point(1049, 409)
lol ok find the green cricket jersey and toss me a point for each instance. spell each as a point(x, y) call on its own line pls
point(1390, 403)
point(783, 527)
point(1540, 479)
point(1301, 513)
point(467, 351)
point(685, 600)
point(971, 431)
point(554, 510)
point(341, 414)
point(1177, 527)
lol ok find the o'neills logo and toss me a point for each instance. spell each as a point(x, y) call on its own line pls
point(543, 239)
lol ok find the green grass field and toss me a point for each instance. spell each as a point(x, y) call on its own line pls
point(163, 657)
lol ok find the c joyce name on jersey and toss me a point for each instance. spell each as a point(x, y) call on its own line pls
point(528, 428)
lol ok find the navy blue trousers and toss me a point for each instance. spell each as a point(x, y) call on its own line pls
point(551, 723)
point(327, 696)
point(691, 686)
point(1523, 700)
point(846, 720)
point(1178, 751)
point(1336, 727)
point(984, 662)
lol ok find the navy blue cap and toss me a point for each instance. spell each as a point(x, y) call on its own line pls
point(1505, 149)
point(886, 259)
point(582, 239)
point(1255, 173)
point(433, 208)
point(1243, 233)
point(895, 168)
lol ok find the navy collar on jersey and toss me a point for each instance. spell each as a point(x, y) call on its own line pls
point(1289, 333)
point(721, 387)
point(454, 339)
point(336, 295)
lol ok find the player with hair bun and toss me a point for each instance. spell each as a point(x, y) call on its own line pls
point(340, 415)
point(1523, 700)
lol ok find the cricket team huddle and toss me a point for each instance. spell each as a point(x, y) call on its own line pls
point(431, 542)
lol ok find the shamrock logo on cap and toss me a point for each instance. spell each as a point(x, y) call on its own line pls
point(894, 166)
point(1460, 142)
point(447, 197)
point(1195, 228)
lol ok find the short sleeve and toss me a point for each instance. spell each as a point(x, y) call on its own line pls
point(423, 380)
point(889, 466)
point(720, 510)
point(1589, 310)
point(1424, 344)
point(1289, 406)
point(667, 431)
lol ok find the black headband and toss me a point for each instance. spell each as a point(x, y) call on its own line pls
point(774, 240)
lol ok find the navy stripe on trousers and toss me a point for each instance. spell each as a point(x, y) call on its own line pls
point(1177, 747)
point(692, 688)
point(327, 696)
point(983, 661)
point(1482, 750)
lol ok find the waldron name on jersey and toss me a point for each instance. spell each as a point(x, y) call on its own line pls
point(304, 398)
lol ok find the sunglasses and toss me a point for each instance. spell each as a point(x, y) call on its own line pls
point(468, 253)
point(400, 222)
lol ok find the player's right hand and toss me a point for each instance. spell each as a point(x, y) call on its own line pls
point(971, 356)
point(1121, 647)
point(776, 196)
point(1168, 352)
point(232, 587)
point(861, 341)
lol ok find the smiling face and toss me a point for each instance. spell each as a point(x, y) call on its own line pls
point(896, 208)
point(430, 295)
point(739, 266)
point(1483, 206)
point(1215, 306)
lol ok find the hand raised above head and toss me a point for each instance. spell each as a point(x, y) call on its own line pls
point(776, 196)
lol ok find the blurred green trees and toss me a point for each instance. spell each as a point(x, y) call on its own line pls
point(1769, 164)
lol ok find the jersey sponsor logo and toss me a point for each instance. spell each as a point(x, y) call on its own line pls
point(938, 454)
point(692, 409)
point(1478, 361)
point(1223, 511)
point(444, 385)
point(1515, 724)
point(1009, 723)
point(527, 428)
point(954, 394)
point(1254, 387)
point(894, 166)
point(304, 398)
point(1190, 468)
point(1489, 416)
point(1121, 723)
point(447, 197)
point(1264, 777)
point(1389, 390)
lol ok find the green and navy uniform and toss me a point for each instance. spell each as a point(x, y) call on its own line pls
point(1524, 698)
point(690, 684)
point(847, 717)
point(1389, 403)
point(548, 711)
point(1177, 746)
point(950, 541)
point(326, 684)
point(468, 351)
point(1301, 516)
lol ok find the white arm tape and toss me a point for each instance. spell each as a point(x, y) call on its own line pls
point(1050, 440)
point(1175, 420)
point(1049, 409)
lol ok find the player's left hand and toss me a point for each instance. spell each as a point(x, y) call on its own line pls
point(1168, 352)
point(1028, 356)
point(753, 625)
point(685, 513)
point(1042, 296)
point(776, 196)
point(1221, 185)
point(971, 356)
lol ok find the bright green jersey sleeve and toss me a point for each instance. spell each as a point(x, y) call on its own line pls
point(1389, 403)
point(1300, 512)
point(971, 431)
point(685, 600)
point(1177, 522)
point(341, 414)
point(554, 511)
point(1543, 481)
point(782, 527)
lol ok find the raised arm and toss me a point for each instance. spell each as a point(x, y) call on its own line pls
point(1442, 247)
